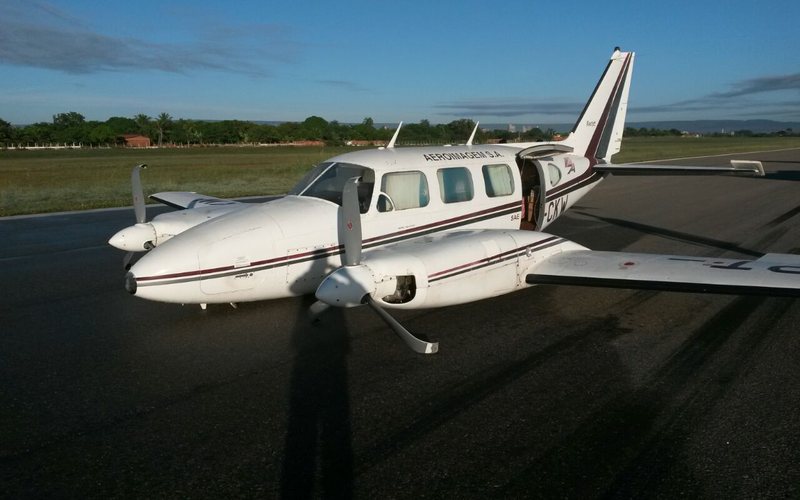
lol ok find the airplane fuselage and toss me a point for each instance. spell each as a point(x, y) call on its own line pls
point(476, 197)
point(437, 225)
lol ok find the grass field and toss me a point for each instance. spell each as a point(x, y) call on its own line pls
point(662, 148)
point(55, 180)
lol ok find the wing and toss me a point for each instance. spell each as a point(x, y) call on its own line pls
point(772, 274)
point(183, 199)
point(744, 168)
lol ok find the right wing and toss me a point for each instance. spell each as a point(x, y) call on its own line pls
point(744, 168)
point(772, 274)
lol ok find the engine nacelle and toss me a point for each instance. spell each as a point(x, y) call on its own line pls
point(348, 285)
point(144, 236)
point(452, 269)
point(136, 238)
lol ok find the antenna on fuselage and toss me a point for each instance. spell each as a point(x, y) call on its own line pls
point(471, 137)
point(394, 137)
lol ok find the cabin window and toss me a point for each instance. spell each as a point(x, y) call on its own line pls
point(327, 181)
point(498, 180)
point(403, 190)
point(455, 184)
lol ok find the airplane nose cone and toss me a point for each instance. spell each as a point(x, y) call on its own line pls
point(130, 283)
point(136, 238)
point(167, 273)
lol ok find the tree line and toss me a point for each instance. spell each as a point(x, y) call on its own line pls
point(73, 128)
point(673, 132)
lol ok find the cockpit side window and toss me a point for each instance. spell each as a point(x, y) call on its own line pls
point(327, 180)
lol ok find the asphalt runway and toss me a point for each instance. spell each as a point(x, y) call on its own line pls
point(549, 392)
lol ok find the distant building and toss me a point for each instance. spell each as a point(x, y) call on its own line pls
point(359, 142)
point(305, 143)
point(136, 141)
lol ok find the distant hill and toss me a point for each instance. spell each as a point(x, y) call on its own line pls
point(720, 126)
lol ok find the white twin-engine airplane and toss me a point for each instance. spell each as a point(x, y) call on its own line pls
point(411, 228)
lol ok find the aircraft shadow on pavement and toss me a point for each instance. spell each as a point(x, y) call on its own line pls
point(318, 433)
point(668, 233)
point(782, 175)
point(639, 433)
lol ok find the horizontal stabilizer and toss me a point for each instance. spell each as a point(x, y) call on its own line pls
point(744, 168)
point(183, 199)
point(772, 274)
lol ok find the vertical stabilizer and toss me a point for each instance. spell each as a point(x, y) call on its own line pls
point(598, 131)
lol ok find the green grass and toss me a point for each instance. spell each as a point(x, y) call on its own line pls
point(48, 181)
point(662, 148)
point(55, 180)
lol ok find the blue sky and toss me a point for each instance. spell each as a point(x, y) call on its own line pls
point(524, 62)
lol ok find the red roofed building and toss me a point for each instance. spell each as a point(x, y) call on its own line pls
point(136, 141)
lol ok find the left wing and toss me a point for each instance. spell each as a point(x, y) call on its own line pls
point(184, 199)
point(194, 209)
point(772, 274)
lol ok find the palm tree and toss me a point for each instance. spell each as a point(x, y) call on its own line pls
point(162, 122)
point(143, 123)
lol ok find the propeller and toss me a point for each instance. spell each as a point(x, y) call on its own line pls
point(126, 261)
point(139, 209)
point(351, 216)
point(352, 284)
point(138, 194)
point(416, 344)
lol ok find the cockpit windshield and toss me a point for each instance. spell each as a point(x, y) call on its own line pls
point(327, 180)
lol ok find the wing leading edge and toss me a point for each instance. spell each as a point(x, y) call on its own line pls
point(772, 274)
point(185, 199)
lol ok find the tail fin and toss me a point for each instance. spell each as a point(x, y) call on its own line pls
point(598, 131)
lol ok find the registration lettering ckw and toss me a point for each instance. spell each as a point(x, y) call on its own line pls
point(555, 208)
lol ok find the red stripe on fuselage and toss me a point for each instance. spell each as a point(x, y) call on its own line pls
point(501, 255)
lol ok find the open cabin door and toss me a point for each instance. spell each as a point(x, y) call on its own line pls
point(532, 201)
point(534, 182)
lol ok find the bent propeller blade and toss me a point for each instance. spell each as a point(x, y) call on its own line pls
point(417, 345)
point(126, 261)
